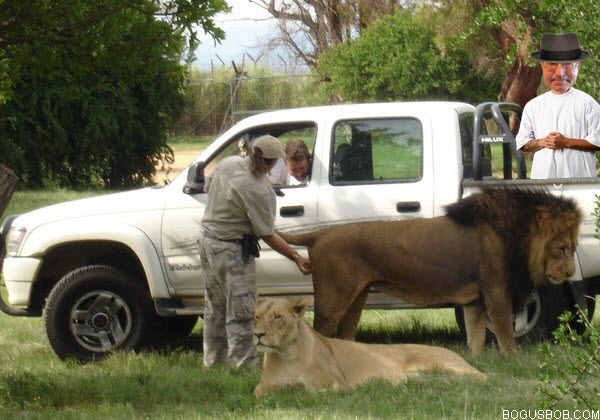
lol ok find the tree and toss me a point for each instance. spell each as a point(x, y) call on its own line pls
point(309, 28)
point(500, 35)
point(396, 58)
point(93, 86)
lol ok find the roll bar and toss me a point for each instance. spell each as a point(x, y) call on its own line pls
point(506, 137)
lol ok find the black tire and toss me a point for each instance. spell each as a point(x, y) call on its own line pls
point(538, 318)
point(96, 310)
point(173, 328)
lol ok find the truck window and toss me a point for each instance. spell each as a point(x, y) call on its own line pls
point(238, 145)
point(377, 151)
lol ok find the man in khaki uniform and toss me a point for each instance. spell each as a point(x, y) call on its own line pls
point(241, 202)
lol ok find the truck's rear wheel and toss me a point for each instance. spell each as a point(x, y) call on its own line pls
point(538, 318)
point(95, 310)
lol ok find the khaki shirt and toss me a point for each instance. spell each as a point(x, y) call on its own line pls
point(238, 204)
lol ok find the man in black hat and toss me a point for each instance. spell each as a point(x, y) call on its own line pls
point(562, 126)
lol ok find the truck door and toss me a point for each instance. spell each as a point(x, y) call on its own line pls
point(296, 209)
point(377, 170)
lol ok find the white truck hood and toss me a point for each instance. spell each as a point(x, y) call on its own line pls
point(124, 202)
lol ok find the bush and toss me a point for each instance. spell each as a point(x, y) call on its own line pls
point(397, 59)
point(91, 103)
point(572, 367)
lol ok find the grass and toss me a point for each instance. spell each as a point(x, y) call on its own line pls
point(171, 383)
point(185, 143)
point(498, 162)
point(25, 200)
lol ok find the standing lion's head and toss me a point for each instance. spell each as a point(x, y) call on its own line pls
point(553, 233)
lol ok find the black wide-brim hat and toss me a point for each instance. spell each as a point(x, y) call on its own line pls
point(560, 48)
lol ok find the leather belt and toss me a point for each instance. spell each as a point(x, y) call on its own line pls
point(209, 234)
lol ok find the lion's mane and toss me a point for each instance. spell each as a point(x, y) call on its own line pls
point(521, 217)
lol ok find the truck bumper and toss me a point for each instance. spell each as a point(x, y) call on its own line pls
point(18, 277)
point(19, 291)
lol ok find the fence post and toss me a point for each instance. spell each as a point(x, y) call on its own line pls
point(8, 183)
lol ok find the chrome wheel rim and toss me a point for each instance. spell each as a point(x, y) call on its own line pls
point(100, 321)
point(526, 319)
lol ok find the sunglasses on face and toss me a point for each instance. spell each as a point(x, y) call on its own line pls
point(553, 66)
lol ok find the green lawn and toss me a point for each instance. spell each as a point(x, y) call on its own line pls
point(171, 383)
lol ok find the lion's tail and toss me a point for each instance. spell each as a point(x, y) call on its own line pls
point(305, 239)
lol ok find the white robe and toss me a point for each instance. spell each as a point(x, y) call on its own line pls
point(574, 114)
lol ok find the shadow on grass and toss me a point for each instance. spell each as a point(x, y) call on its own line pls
point(429, 336)
point(428, 326)
point(416, 326)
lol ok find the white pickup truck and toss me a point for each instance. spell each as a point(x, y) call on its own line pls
point(120, 271)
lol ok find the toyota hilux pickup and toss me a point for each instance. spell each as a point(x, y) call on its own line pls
point(119, 271)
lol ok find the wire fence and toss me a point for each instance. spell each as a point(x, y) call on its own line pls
point(214, 105)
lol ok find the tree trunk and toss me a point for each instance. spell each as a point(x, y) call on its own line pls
point(521, 83)
point(334, 22)
point(8, 183)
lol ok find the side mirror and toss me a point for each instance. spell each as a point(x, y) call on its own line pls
point(195, 179)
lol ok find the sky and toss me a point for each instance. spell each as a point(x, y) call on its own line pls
point(244, 28)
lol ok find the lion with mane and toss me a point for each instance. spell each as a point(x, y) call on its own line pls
point(295, 354)
point(486, 254)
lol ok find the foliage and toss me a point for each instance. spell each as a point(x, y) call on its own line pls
point(215, 100)
point(28, 22)
point(493, 31)
point(580, 16)
point(95, 86)
point(397, 58)
point(572, 366)
point(309, 28)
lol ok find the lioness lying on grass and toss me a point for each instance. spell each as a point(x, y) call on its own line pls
point(295, 354)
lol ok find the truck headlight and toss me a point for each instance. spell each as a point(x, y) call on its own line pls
point(14, 239)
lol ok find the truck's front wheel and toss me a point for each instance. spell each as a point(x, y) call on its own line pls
point(95, 310)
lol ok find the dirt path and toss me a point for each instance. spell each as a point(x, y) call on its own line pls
point(182, 160)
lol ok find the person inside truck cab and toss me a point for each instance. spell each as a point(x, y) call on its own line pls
point(297, 161)
point(562, 126)
point(295, 168)
point(240, 209)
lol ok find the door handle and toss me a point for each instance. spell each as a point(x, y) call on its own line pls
point(291, 211)
point(408, 207)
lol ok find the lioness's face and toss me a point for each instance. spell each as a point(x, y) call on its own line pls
point(560, 262)
point(276, 323)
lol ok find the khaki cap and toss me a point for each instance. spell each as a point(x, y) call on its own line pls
point(270, 146)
